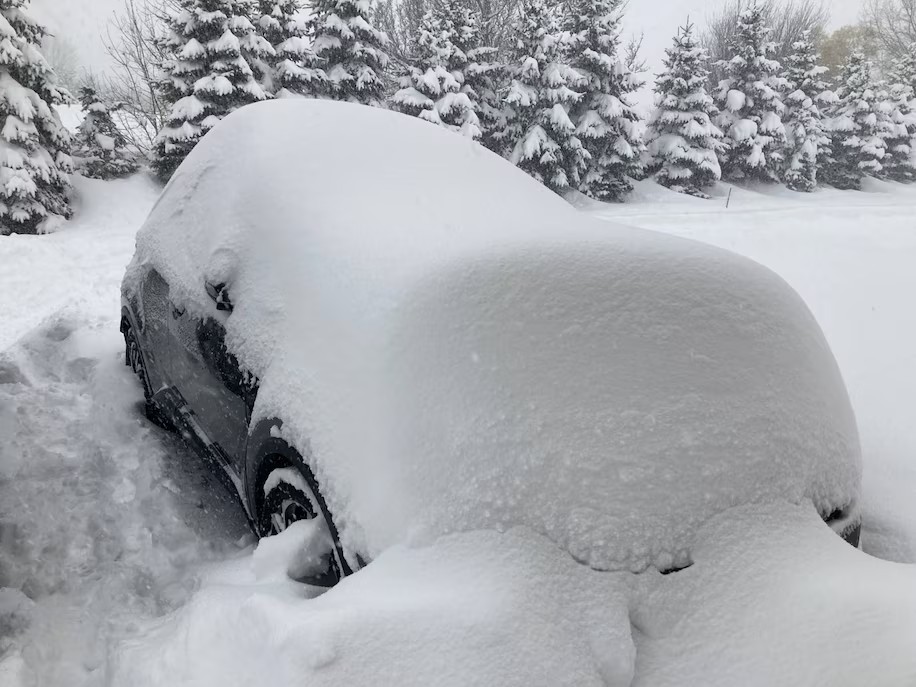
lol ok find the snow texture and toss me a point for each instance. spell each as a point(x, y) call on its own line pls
point(515, 362)
point(470, 609)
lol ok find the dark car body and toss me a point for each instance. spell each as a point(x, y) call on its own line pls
point(194, 385)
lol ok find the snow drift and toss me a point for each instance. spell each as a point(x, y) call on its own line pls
point(454, 348)
point(774, 598)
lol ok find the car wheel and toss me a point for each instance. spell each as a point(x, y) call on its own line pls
point(289, 494)
point(134, 359)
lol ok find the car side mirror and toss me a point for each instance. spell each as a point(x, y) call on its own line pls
point(220, 295)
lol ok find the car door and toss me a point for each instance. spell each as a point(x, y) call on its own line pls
point(154, 313)
point(208, 378)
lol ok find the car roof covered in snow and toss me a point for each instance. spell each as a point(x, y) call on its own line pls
point(453, 347)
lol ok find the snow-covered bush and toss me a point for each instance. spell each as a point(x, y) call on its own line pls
point(292, 67)
point(101, 151)
point(207, 76)
point(606, 119)
point(750, 103)
point(350, 49)
point(683, 142)
point(856, 146)
point(805, 135)
point(540, 136)
point(36, 161)
point(433, 87)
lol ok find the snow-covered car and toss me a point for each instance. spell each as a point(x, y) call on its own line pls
point(366, 319)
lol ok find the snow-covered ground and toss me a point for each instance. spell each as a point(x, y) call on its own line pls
point(102, 516)
point(123, 562)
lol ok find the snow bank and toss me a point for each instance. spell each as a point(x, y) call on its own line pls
point(477, 608)
point(775, 598)
point(42, 275)
point(456, 348)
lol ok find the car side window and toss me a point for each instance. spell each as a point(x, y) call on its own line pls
point(211, 338)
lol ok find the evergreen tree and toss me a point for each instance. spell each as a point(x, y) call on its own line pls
point(805, 131)
point(433, 88)
point(900, 163)
point(896, 127)
point(540, 137)
point(350, 49)
point(36, 163)
point(683, 142)
point(857, 148)
point(291, 67)
point(750, 103)
point(101, 150)
point(606, 119)
point(207, 75)
point(904, 71)
point(484, 77)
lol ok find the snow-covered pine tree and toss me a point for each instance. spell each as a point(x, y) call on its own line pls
point(750, 105)
point(484, 77)
point(900, 119)
point(803, 120)
point(896, 126)
point(101, 151)
point(433, 88)
point(207, 75)
point(904, 71)
point(350, 49)
point(857, 148)
point(540, 137)
point(606, 119)
point(36, 161)
point(292, 68)
point(683, 142)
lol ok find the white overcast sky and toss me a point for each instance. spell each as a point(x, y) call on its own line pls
point(660, 19)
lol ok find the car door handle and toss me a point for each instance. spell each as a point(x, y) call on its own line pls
point(177, 312)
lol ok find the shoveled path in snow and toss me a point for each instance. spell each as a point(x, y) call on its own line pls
point(102, 515)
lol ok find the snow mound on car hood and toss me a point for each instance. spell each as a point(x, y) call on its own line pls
point(452, 347)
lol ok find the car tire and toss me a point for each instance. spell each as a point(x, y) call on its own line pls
point(288, 493)
point(133, 358)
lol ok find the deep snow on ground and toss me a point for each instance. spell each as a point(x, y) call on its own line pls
point(119, 553)
point(101, 514)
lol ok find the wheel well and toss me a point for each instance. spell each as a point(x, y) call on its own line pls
point(275, 460)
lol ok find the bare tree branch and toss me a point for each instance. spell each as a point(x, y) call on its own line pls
point(891, 24)
point(631, 54)
point(787, 19)
point(133, 41)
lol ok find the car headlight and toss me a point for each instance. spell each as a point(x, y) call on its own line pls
point(846, 522)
